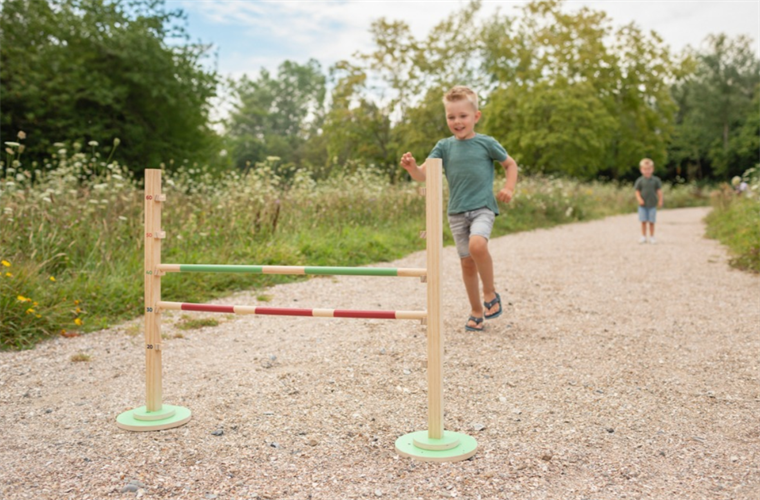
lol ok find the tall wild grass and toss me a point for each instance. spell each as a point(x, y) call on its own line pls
point(71, 246)
point(735, 219)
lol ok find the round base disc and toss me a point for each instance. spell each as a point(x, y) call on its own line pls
point(405, 446)
point(140, 419)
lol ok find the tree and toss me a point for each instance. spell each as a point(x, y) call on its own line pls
point(747, 142)
point(81, 70)
point(357, 130)
point(716, 102)
point(572, 96)
point(275, 116)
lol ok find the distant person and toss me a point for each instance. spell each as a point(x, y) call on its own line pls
point(649, 195)
point(468, 164)
point(739, 185)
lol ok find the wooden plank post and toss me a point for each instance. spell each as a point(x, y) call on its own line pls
point(153, 360)
point(434, 249)
point(154, 415)
point(435, 444)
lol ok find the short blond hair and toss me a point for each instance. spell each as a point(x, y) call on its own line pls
point(646, 162)
point(461, 93)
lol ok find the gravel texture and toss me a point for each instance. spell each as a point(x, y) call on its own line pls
point(618, 370)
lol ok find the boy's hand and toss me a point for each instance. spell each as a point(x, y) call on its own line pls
point(408, 162)
point(505, 195)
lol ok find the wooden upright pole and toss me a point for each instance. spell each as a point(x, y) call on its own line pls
point(435, 444)
point(153, 362)
point(154, 415)
point(434, 235)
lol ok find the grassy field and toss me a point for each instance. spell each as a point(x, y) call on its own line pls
point(735, 221)
point(71, 245)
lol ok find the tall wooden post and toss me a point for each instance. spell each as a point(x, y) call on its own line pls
point(435, 444)
point(153, 235)
point(434, 248)
point(154, 415)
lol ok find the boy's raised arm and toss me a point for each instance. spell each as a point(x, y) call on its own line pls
point(410, 165)
point(508, 191)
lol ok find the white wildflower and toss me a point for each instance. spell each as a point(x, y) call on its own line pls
point(92, 143)
point(12, 144)
point(121, 217)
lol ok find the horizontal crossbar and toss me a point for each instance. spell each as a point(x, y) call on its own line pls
point(287, 311)
point(326, 270)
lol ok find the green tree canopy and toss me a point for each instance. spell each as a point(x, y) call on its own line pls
point(718, 108)
point(82, 70)
point(276, 115)
point(574, 96)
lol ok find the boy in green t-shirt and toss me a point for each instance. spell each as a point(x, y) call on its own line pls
point(649, 195)
point(468, 164)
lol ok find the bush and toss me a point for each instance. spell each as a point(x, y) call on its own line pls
point(735, 220)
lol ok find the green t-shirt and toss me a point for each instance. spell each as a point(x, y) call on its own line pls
point(648, 189)
point(468, 165)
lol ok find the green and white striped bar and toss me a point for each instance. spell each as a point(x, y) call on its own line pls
point(328, 271)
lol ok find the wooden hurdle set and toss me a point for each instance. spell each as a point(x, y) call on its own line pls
point(434, 444)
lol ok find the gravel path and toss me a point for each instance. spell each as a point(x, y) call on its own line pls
point(618, 371)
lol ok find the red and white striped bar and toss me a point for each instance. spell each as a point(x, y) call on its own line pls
point(287, 311)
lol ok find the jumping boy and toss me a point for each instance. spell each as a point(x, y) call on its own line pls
point(649, 195)
point(468, 164)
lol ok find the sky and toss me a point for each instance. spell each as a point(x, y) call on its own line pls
point(249, 35)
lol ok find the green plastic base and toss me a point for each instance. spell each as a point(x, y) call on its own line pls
point(453, 447)
point(140, 419)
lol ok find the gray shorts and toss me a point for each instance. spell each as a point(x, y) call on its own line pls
point(475, 222)
point(647, 214)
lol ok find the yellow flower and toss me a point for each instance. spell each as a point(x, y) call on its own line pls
point(77, 310)
point(35, 304)
point(76, 302)
point(9, 275)
point(21, 298)
point(38, 315)
point(29, 311)
point(52, 278)
point(78, 321)
point(5, 263)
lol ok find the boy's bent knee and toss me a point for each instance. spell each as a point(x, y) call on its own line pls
point(478, 246)
point(468, 263)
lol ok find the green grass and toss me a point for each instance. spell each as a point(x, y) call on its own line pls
point(80, 358)
point(735, 222)
point(85, 232)
point(195, 323)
